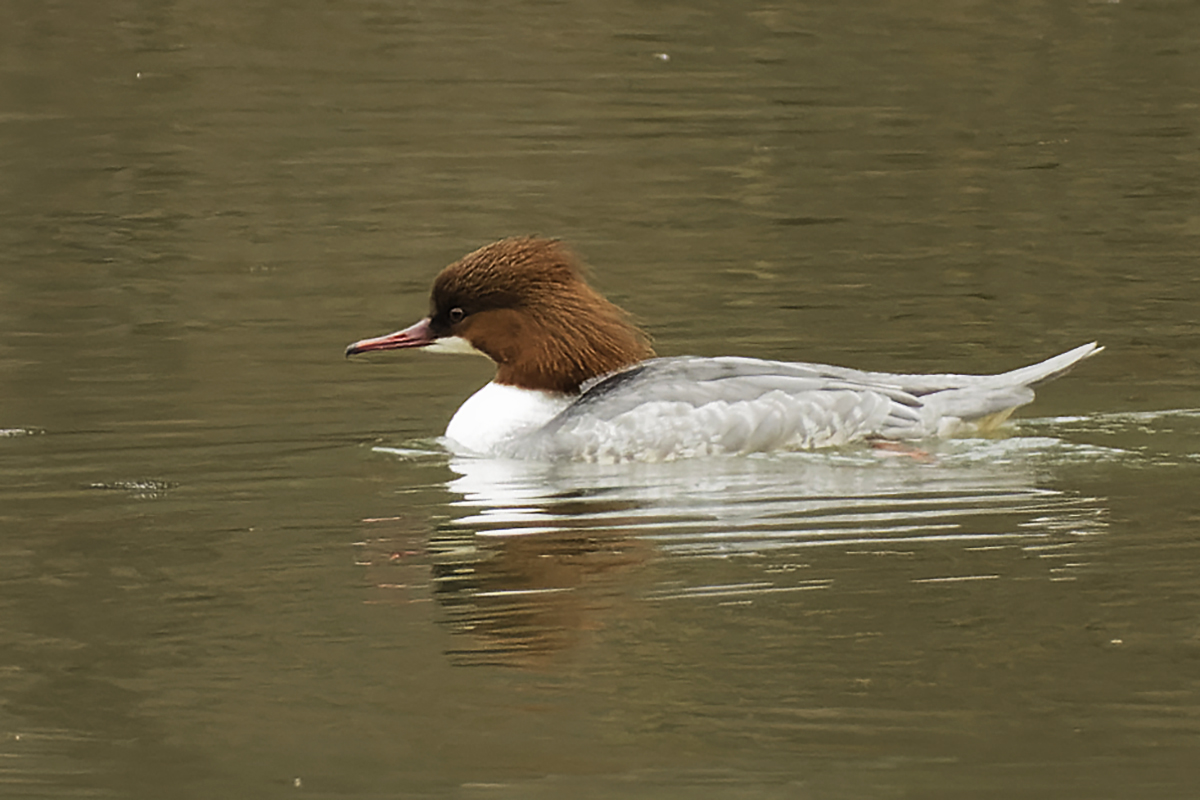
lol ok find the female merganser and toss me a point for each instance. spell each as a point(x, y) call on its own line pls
point(575, 379)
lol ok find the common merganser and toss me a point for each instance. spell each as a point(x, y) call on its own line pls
point(575, 379)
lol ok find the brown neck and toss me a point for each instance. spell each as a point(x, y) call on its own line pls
point(557, 347)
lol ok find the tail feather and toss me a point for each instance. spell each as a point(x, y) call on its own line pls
point(985, 401)
point(1049, 369)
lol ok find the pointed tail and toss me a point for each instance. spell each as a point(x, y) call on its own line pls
point(1047, 370)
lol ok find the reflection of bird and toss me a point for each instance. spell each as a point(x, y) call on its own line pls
point(533, 557)
point(575, 379)
point(523, 598)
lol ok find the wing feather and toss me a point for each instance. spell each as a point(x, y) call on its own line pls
point(668, 408)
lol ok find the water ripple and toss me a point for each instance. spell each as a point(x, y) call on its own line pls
point(525, 556)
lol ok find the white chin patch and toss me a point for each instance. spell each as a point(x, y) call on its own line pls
point(453, 344)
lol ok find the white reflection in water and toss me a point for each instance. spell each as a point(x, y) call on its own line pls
point(533, 554)
point(727, 506)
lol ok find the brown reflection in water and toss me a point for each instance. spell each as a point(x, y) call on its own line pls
point(519, 599)
point(522, 598)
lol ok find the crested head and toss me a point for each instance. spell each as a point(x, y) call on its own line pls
point(524, 302)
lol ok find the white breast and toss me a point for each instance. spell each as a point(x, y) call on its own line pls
point(497, 414)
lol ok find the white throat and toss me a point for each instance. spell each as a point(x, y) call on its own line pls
point(453, 344)
point(497, 414)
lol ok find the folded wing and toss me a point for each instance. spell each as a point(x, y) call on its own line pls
point(680, 407)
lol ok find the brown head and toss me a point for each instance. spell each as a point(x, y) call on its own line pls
point(525, 303)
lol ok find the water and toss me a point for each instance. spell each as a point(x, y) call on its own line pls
point(234, 564)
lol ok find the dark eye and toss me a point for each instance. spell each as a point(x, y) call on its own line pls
point(456, 315)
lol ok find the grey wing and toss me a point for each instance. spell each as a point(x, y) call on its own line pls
point(675, 407)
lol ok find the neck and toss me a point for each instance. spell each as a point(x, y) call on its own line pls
point(569, 342)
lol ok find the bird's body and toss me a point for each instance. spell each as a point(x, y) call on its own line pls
point(576, 380)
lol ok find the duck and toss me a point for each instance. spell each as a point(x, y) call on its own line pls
point(577, 379)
